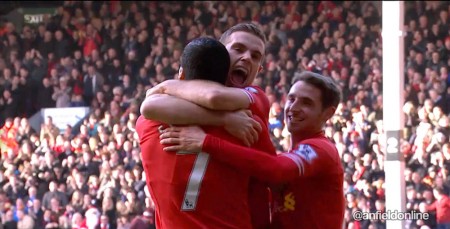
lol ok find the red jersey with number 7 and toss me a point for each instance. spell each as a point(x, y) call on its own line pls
point(191, 190)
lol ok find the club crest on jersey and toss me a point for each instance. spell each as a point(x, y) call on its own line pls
point(252, 90)
point(306, 152)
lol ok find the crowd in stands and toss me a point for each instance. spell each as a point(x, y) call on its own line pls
point(105, 54)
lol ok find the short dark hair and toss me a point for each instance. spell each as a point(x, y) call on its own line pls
point(207, 59)
point(330, 92)
point(244, 27)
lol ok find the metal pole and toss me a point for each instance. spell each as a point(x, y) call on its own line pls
point(393, 118)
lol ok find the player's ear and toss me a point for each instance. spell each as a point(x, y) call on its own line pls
point(260, 68)
point(181, 73)
point(328, 113)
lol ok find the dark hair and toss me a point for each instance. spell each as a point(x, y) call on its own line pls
point(440, 190)
point(330, 92)
point(205, 58)
point(244, 27)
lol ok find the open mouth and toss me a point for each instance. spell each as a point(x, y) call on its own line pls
point(238, 76)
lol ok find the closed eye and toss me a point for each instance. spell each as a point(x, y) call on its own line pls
point(256, 56)
point(238, 47)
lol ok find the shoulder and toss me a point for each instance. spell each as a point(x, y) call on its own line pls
point(144, 125)
point(255, 91)
point(319, 147)
point(258, 99)
point(306, 152)
point(142, 121)
point(321, 144)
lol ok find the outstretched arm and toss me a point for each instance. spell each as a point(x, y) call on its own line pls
point(259, 164)
point(176, 111)
point(205, 93)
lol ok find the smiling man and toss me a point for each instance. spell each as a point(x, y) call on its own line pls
point(312, 196)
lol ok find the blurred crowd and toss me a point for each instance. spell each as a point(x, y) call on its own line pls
point(105, 54)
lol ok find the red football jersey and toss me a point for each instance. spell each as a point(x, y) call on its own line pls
point(316, 198)
point(313, 175)
point(191, 190)
point(259, 192)
point(259, 103)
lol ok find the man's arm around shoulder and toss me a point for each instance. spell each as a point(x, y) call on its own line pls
point(176, 111)
point(205, 93)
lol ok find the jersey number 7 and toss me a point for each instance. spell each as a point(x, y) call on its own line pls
point(194, 183)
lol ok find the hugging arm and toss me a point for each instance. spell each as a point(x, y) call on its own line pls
point(176, 111)
point(259, 164)
point(205, 93)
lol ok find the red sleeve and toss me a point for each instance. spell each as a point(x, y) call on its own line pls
point(432, 207)
point(447, 202)
point(309, 159)
point(259, 103)
point(256, 163)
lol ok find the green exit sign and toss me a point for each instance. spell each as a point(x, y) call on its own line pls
point(34, 18)
point(36, 15)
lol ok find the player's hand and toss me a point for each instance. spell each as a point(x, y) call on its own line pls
point(242, 125)
point(157, 89)
point(188, 138)
point(162, 88)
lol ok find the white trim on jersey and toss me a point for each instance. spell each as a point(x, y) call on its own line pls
point(303, 154)
point(249, 95)
point(297, 160)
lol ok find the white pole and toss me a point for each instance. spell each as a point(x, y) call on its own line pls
point(393, 81)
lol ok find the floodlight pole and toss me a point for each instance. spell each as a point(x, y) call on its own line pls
point(393, 99)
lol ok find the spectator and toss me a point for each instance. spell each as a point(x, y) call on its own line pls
point(53, 198)
point(77, 219)
point(441, 206)
point(93, 82)
point(62, 93)
point(36, 212)
point(146, 221)
point(45, 94)
point(61, 45)
point(8, 220)
point(24, 220)
point(8, 105)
